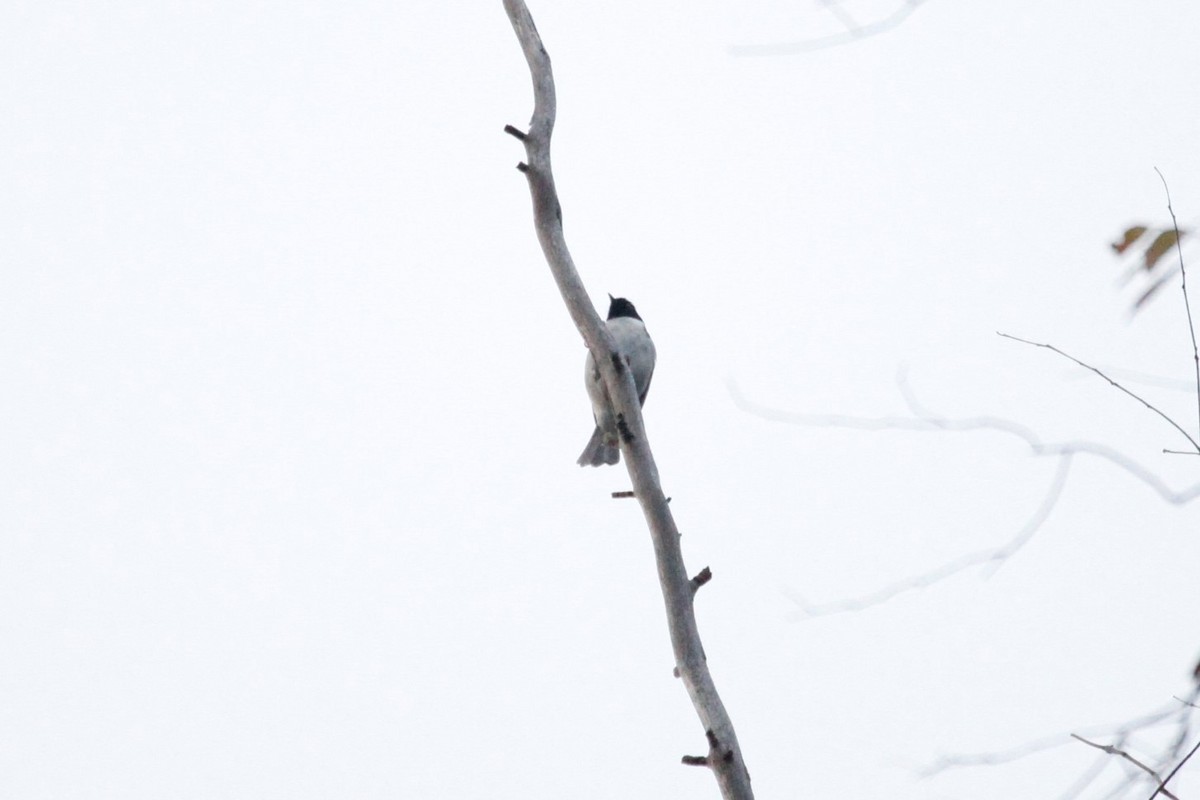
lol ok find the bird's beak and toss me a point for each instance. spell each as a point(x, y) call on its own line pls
point(610, 297)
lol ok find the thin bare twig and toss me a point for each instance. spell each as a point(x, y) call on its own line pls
point(924, 420)
point(725, 755)
point(1130, 376)
point(1162, 788)
point(1070, 357)
point(1179, 715)
point(1162, 715)
point(853, 33)
point(1116, 751)
point(927, 421)
point(1183, 280)
point(993, 557)
point(1040, 448)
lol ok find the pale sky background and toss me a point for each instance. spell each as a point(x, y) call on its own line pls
point(288, 500)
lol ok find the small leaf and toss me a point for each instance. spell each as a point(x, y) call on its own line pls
point(1161, 245)
point(1130, 236)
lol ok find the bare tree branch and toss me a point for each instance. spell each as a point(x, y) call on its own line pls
point(993, 557)
point(1183, 280)
point(925, 420)
point(1162, 789)
point(1136, 376)
point(725, 756)
point(1116, 751)
point(1020, 751)
point(1179, 713)
point(1109, 454)
point(854, 32)
point(1172, 422)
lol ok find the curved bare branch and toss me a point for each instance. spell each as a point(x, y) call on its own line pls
point(923, 419)
point(853, 33)
point(992, 557)
point(926, 421)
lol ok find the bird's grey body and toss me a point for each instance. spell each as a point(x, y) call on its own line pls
point(637, 350)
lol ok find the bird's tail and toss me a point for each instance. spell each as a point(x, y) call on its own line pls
point(599, 451)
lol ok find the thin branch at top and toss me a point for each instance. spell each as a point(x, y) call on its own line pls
point(1070, 357)
point(1183, 280)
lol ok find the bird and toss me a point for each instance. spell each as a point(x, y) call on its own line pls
point(637, 350)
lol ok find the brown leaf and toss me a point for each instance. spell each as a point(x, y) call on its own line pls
point(1129, 237)
point(1161, 245)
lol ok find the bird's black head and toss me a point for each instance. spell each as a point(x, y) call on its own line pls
point(620, 307)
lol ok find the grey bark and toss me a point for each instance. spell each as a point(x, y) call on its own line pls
point(724, 755)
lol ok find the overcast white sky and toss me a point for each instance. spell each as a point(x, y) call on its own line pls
point(288, 500)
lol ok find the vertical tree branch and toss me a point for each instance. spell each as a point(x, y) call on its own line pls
point(1183, 280)
point(724, 754)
